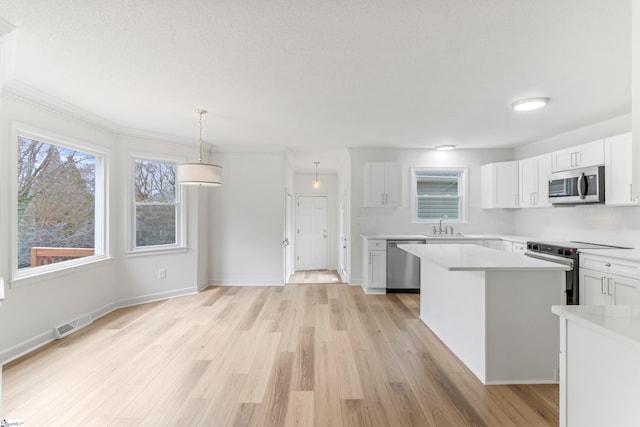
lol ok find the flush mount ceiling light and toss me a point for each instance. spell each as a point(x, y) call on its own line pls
point(529, 104)
point(199, 173)
point(316, 183)
point(447, 147)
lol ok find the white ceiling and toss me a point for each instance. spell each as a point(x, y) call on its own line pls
point(315, 75)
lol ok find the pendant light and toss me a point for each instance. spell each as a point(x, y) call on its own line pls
point(200, 173)
point(316, 183)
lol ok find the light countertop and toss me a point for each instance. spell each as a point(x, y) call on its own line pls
point(626, 254)
point(430, 237)
point(455, 257)
point(617, 321)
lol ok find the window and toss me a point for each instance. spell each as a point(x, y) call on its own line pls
point(59, 202)
point(157, 208)
point(438, 192)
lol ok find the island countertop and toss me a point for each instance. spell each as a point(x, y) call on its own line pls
point(454, 257)
point(621, 322)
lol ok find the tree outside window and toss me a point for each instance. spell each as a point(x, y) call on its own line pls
point(156, 203)
point(56, 203)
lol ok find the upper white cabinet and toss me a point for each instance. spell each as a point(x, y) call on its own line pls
point(382, 184)
point(618, 172)
point(534, 187)
point(499, 183)
point(580, 156)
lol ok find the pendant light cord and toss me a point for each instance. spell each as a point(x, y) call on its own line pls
point(200, 111)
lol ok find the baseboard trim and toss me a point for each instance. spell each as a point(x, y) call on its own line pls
point(261, 283)
point(45, 338)
point(128, 302)
point(26, 347)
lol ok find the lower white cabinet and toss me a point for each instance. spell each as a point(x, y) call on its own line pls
point(374, 266)
point(608, 281)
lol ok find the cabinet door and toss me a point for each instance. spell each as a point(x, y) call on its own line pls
point(590, 154)
point(377, 269)
point(393, 185)
point(374, 184)
point(563, 160)
point(544, 170)
point(593, 287)
point(528, 182)
point(499, 184)
point(506, 184)
point(618, 172)
point(625, 290)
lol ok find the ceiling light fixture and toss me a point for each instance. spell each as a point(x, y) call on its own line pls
point(199, 173)
point(529, 104)
point(447, 147)
point(316, 183)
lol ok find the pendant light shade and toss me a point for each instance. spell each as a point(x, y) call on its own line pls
point(199, 173)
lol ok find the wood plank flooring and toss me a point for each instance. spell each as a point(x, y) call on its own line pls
point(298, 355)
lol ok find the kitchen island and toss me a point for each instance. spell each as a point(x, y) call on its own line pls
point(599, 373)
point(493, 310)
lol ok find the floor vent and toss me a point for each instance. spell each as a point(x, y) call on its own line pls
point(70, 327)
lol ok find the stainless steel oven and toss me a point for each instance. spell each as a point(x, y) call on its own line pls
point(565, 253)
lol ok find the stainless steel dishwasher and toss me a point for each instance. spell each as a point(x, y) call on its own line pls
point(403, 269)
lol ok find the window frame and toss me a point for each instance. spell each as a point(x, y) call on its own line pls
point(463, 185)
point(101, 243)
point(181, 212)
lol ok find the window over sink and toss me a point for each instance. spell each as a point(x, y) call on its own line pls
point(436, 192)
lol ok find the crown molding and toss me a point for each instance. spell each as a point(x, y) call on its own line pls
point(5, 27)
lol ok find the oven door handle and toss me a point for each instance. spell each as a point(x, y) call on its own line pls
point(551, 258)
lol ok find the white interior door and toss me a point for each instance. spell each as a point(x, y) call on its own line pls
point(311, 233)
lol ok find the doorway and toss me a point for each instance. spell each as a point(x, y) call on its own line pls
point(311, 233)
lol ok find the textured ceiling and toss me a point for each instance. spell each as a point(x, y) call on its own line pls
point(313, 75)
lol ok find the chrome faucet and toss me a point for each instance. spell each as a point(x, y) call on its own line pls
point(442, 218)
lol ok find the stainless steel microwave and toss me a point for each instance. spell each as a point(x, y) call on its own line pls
point(578, 186)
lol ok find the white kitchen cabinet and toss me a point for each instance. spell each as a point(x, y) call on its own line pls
point(383, 184)
point(580, 156)
point(499, 185)
point(534, 181)
point(608, 281)
point(375, 265)
point(618, 170)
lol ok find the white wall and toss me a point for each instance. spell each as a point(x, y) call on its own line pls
point(398, 220)
point(246, 220)
point(303, 186)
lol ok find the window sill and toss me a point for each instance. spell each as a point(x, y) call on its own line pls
point(34, 277)
point(157, 251)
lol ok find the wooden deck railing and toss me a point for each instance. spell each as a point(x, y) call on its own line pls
point(44, 256)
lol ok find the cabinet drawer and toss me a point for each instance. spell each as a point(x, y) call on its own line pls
point(610, 265)
point(377, 245)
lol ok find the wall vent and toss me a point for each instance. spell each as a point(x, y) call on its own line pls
point(67, 328)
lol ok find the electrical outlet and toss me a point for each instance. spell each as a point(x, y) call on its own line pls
point(556, 373)
point(162, 273)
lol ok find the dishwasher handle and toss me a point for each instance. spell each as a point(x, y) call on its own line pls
point(395, 243)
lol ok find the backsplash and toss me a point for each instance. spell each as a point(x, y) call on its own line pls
point(619, 226)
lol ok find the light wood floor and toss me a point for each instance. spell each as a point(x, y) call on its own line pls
point(298, 355)
point(315, 276)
